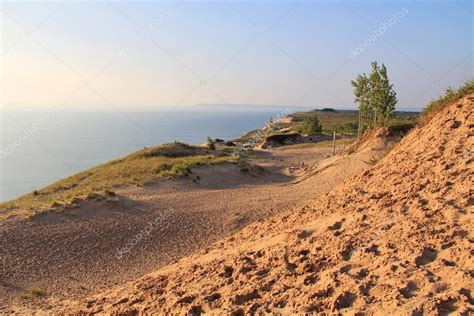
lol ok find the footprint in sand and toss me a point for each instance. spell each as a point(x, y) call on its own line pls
point(427, 255)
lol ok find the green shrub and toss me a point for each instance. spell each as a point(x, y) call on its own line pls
point(210, 144)
point(350, 128)
point(311, 124)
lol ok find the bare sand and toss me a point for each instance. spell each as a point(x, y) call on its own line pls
point(52, 259)
point(395, 239)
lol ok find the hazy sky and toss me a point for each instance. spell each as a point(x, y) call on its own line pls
point(100, 54)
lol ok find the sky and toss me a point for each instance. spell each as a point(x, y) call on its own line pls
point(132, 55)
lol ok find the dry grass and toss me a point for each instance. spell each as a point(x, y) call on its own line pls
point(145, 166)
point(33, 293)
point(372, 161)
point(451, 95)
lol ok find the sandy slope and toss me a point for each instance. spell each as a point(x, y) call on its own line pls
point(98, 245)
point(397, 238)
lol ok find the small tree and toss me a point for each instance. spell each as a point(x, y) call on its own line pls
point(210, 144)
point(375, 96)
point(311, 124)
point(388, 97)
point(361, 92)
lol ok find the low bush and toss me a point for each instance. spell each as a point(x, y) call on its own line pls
point(211, 145)
point(311, 125)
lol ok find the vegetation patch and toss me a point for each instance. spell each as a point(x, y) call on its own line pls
point(328, 119)
point(401, 126)
point(254, 170)
point(311, 125)
point(33, 293)
point(140, 168)
point(344, 121)
point(451, 95)
point(211, 144)
point(175, 149)
point(372, 161)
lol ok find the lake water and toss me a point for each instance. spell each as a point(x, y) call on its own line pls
point(39, 148)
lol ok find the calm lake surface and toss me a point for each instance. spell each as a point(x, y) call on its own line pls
point(40, 147)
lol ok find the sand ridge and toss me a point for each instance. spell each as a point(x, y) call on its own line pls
point(101, 244)
point(397, 236)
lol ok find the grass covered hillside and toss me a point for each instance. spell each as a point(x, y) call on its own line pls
point(165, 161)
point(344, 121)
point(451, 95)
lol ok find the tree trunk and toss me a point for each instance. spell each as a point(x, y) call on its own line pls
point(375, 119)
point(360, 126)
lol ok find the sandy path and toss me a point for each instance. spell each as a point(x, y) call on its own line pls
point(101, 244)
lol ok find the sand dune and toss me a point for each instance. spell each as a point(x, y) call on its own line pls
point(100, 244)
point(396, 237)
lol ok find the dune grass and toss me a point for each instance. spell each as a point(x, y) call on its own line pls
point(139, 168)
point(450, 96)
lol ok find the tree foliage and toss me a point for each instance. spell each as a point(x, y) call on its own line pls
point(210, 144)
point(376, 98)
point(311, 124)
